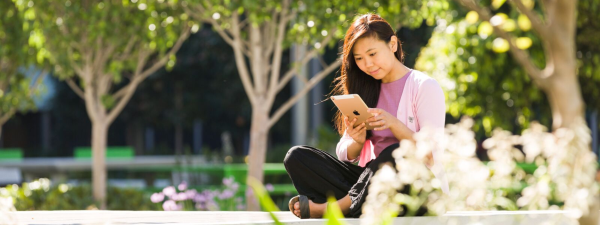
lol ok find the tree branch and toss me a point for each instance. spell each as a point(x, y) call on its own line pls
point(213, 22)
point(240, 61)
point(538, 25)
point(141, 63)
point(276, 61)
point(549, 6)
point(182, 37)
point(75, 87)
point(257, 61)
point(322, 61)
point(290, 73)
point(313, 81)
point(521, 56)
point(74, 65)
point(90, 97)
point(139, 77)
point(127, 51)
point(272, 33)
point(7, 116)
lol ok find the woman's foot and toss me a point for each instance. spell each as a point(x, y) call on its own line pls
point(316, 210)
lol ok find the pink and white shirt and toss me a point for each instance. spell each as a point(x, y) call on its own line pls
point(421, 104)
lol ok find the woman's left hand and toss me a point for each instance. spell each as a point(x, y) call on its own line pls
point(381, 119)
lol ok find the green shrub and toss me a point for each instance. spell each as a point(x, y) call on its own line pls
point(41, 195)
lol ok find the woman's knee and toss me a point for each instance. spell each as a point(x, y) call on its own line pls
point(294, 154)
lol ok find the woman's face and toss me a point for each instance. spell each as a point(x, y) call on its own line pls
point(375, 57)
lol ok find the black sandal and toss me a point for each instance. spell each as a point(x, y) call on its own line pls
point(304, 208)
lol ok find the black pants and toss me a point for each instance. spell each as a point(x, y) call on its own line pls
point(318, 174)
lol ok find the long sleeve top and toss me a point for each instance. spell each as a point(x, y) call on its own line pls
point(421, 105)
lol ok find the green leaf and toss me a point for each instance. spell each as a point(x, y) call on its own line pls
point(497, 3)
point(472, 17)
point(524, 42)
point(333, 213)
point(500, 45)
point(108, 101)
point(524, 22)
point(263, 198)
point(485, 29)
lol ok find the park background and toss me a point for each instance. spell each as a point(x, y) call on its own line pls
point(195, 104)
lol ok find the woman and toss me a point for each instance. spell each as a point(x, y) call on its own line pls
point(401, 101)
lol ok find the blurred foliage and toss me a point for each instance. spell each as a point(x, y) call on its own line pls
point(482, 80)
point(263, 197)
point(205, 61)
point(333, 213)
point(73, 33)
point(41, 195)
point(15, 56)
point(588, 51)
point(328, 139)
point(225, 197)
point(315, 19)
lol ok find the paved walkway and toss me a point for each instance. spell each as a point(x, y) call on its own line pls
point(161, 217)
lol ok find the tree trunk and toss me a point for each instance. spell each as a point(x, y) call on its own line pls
point(562, 87)
point(567, 105)
point(99, 138)
point(258, 147)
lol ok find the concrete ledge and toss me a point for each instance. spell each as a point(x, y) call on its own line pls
point(160, 217)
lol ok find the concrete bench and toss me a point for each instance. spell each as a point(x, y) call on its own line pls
point(556, 217)
point(10, 175)
point(11, 154)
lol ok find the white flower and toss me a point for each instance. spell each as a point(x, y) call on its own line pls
point(565, 173)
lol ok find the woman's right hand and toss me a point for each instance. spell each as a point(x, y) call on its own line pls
point(358, 133)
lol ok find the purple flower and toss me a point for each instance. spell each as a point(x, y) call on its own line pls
point(191, 193)
point(228, 181)
point(240, 207)
point(212, 206)
point(226, 194)
point(183, 196)
point(235, 186)
point(169, 191)
point(249, 192)
point(210, 194)
point(200, 198)
point(201, 206)
point(269, 187)
point(179, 197)
point(157, 197)
point(170, 205)
point(182, 186)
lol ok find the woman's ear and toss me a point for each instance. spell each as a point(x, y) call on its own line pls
point(394, 43)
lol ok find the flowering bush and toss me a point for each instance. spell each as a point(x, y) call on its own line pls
point(207, 200)
point(6, 206)
point(42, 195)
point(564, 178)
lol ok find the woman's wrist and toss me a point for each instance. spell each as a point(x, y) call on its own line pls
point(397, 124)
point(400, 130)
point(356, 142)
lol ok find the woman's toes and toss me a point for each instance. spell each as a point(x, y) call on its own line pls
point(297, 209)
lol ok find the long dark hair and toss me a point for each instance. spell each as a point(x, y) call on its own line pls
point(352, 80)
